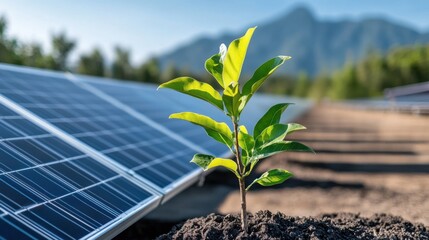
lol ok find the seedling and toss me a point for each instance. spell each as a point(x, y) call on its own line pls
point(268, 133)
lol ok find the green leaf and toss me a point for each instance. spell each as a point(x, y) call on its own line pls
point(272, 116)
point(223, 162)
point(247, 143)
point(285, 146)
point(210, 125)
point(243, 129)
point(272, 177)
point(292, 127)
point(215, 68)
point(202, 160)
point(219, 137)
point(196, 89)
point(231, 99)
point(207, 162)
point(235, 57)
point(262, 73)
point(276, 133)
point(272, 134)
point(243, 101)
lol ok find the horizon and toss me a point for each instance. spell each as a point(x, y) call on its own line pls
point(187, 29)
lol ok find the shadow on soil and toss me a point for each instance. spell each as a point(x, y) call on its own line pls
point(385, 152)
point(366, 167)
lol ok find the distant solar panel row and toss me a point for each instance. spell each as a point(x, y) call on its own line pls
point(82, 157)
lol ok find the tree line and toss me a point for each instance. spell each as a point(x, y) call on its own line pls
point(364, 79)
point(92, 63)
point(368, 78)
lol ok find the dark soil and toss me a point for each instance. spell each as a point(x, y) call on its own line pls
point(267, 225)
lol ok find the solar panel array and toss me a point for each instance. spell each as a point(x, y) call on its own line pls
point(82, 157)
point(158, 105)
point(49, 188)
point(132, 144)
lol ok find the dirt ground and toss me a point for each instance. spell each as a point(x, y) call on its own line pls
point(277, 226)
point(367, 162)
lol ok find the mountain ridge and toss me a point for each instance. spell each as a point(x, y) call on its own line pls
point(315, 45)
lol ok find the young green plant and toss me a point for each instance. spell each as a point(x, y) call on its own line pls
point(268, 133)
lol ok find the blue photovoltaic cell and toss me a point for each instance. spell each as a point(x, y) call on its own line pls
point(158, 105)
point(10, 228)
point(55, 189)
point(128, 141)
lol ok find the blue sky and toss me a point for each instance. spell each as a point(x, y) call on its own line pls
point(152, 27)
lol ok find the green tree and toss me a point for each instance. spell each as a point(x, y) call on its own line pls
point(170, 72)
point(92, 63)
point(62, 47)
point(302, 86)
point(33, 55)
point(149, 71)
point(121, 67)
point(279, 84)
point(320, 87)
point(370, 76)
point(3, 27)
point(8, 47)
point(346, 84)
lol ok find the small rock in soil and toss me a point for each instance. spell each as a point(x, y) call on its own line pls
point(267, 225)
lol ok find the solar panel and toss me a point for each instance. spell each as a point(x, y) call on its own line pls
point(141, 149)
point(158, 105)
point(50, 189)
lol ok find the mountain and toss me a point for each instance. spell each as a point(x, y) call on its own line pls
point(315, 45)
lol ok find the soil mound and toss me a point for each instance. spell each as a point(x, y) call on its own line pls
point(267, 225)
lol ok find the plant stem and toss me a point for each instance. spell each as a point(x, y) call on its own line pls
point(243, 205)
point(241, 179)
